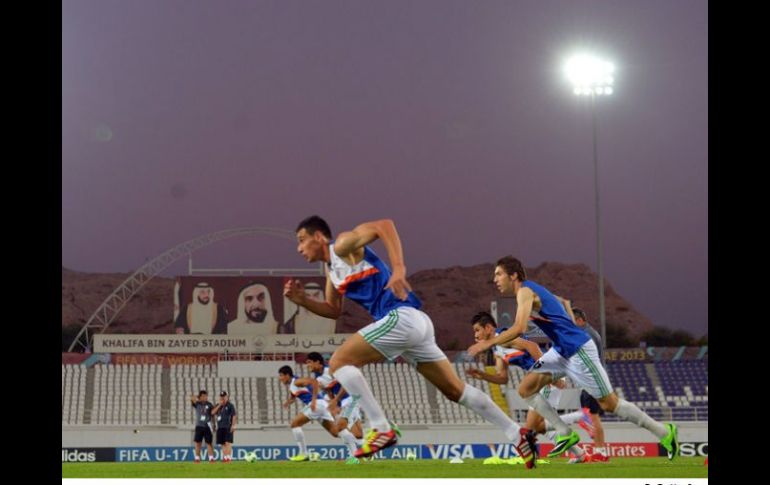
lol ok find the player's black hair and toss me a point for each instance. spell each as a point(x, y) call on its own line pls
point(483, 318)
point(512, 266)
point(314, 223)
point(315, 357)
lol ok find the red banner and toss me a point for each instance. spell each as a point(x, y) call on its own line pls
point(73, 357)
point(620, 450)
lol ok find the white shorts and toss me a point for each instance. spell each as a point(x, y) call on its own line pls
point(321, 412)
point(584, 368)
point(350, 409)
point(407, 332)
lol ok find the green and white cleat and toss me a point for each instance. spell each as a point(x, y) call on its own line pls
point(671, 441)
point(395, 428)
point(352, 461)
point(299, 458)
point(564, 443)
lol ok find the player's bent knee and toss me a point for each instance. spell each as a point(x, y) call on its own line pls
point(526, 391)
point(609, 402)
point(453, 393)
point(337, 362)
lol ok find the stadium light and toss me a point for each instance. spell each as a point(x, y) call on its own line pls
point(591, 76)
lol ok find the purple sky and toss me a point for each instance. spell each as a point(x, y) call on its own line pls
point(182, 117)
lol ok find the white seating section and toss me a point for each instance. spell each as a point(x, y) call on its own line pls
point(127, 394)
point(73, 393)
point(133, 395)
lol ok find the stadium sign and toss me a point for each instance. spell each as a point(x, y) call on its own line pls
point(207, 344)
point(428, 452)
point(87, 455)
point(690, 449)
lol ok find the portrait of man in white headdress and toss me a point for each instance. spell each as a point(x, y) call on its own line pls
point(203, 315)
point(255, 312)
point(303, 321)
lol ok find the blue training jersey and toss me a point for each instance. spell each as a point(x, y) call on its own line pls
point(329, 384)
point(365, 283)
point(304, 394)
point(511, 356)
point(554, 321)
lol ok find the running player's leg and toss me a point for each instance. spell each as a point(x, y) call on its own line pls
point(631, 412)
point(357, 430)
point(535, 422)
point(441, 374)
point(299, 436)
point(550, 367)
point(347, 437)
point(433, 364)
point(599, 442)
point(529, 390)
point(345, 366)
point(538, 424)
point(330, 427)
point(591, 376)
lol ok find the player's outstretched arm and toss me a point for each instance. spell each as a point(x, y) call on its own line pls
point(531, 347)
point(525, 298)
point(294, 290)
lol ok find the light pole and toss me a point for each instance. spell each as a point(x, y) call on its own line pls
point(593, 77)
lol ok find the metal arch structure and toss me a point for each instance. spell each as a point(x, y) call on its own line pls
point(114, 303)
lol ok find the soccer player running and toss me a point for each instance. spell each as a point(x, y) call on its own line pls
point(573, 354)
point(344, 408)
point(399, 329)
point(523, 353)
point(308, 391)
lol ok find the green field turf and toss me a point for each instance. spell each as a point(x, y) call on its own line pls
point(558, 468)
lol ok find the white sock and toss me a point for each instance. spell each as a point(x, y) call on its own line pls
point(299, 437)
point(551, 435)
point(360, 442)
point(630, 412)
point(577, 451)
point(539, 404)
point(197, 457)
point(574, 417)
point(483, 405)
point(353, 381)
point(349, 440)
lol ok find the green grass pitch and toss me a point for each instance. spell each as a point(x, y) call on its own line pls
point(557, 468)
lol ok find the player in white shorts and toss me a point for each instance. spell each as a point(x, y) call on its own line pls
point(520, 352)
point(573, 354)
point(344, 408)
point(307, 390)
point(353, 270)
